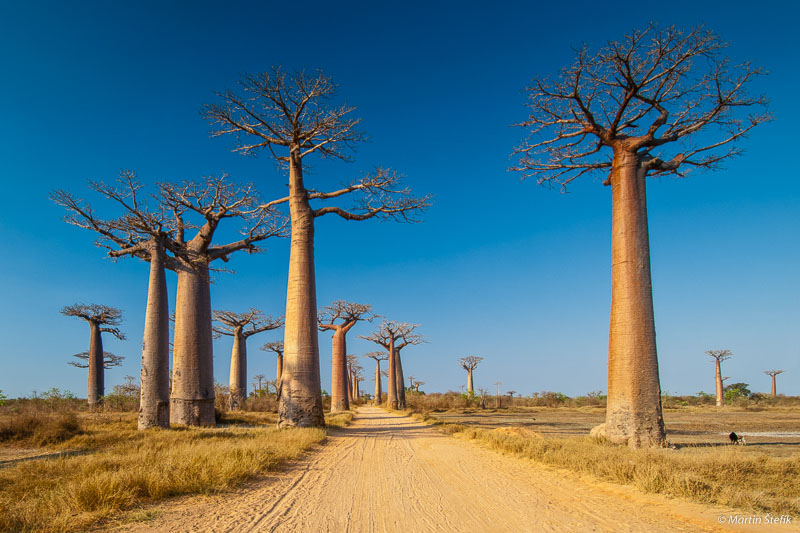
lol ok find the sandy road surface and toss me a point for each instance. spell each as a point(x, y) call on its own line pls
point(389, 473)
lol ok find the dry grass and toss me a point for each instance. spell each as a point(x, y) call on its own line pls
point(742, 477)
point(39, 429)
point(124, 468)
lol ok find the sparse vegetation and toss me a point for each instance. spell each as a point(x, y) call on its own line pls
point(124, 468)
point(761, 479)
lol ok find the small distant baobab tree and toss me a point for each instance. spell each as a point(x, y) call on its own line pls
point(511, 394)
point(378, 357)
point(772, 374)
point(242, 326)
point(618, 111)
point(719, 356)
point(340, 317)
point(469, 363)
point(497, 401)
point(290, 116)
point(277, 348)
point(394, 336)
point(417, 385)
point(258, 379)
point(101, 319)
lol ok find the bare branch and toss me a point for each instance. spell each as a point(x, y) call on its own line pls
point(109, 360)
point(653, 88)
point(247, 324)
point(469, 362)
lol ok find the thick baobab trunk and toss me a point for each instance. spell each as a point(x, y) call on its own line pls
point(633, 414)
point(301, 394)
point(192, 400)
point(238, 380)
point(401, 382)
point(339, 396)
point(470, 389)
point(96, 384)
point(378, 391)
point(391, 385)
point(774, 390)
point(279, 370)
point(154, 400)
point(718, 381)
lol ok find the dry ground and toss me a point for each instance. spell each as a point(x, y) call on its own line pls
point(690, 426)
point(388, 472)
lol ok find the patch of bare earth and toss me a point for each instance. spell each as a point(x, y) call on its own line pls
point(388, 472)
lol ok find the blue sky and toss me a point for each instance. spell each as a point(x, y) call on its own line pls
point(500, 268)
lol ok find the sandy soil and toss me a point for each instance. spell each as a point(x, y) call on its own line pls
point(389, 473)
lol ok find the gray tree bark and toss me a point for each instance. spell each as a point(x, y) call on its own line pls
point(192, 400)
point(154, 400)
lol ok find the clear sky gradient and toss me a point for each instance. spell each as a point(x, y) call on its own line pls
point(501, 268)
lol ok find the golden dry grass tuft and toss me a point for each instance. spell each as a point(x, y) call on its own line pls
point(39, 429)
point(123, 469)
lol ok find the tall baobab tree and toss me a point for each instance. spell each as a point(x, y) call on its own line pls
point(378, 357)
point(469, 363)
point(619, 111)
point(143, 233)
point(497, 402)
point(277, 348)
point(352, 363)
point(242, 326)
point(148, 234)
point(719, 356)
point(212, 201)
point(394, 336)
point(290, 116)
point(340, 317)
point(772, 374)
point(411, 382)
point(101, 319)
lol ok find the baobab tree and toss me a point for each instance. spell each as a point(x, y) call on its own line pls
point(394, 336)
point(719, 356)
point(101, 319)
point(257, 380)
point(340, 317)
point(511, 394)
point(772, 374)
point(497, 402)
point(140, 232)
point(277, 348)
point(290, 116)
point(619, 111)
point(242, 326)
point(352, 363)
point(417, 385)
point(148, 234)
point(469, 363)
point(378, 357)
point(212, 201)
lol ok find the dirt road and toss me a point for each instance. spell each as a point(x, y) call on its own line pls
point(389, 473)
